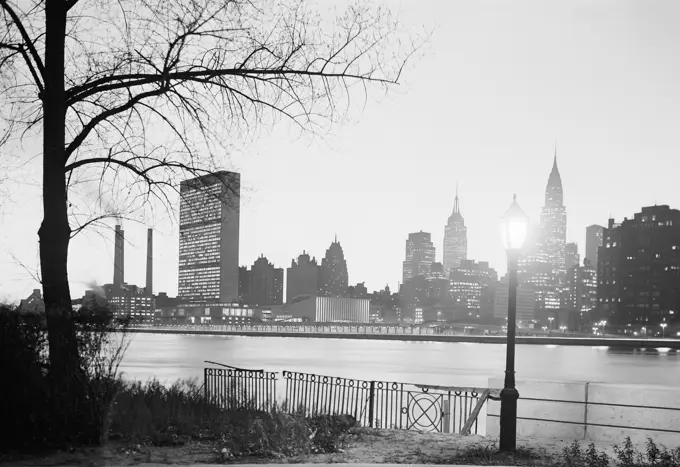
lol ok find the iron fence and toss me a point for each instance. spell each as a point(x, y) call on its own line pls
point(235, 388)
point(384, 404)
point(378, 404)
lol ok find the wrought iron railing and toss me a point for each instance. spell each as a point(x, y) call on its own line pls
point(383, 404)
point(236, 388)
point(378, 404)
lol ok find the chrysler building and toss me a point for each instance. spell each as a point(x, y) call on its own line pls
point(554, 223)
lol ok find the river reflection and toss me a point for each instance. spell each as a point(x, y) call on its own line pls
point(169, 357)
point(644, 351)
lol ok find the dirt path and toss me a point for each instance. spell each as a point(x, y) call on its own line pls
point(361, 446)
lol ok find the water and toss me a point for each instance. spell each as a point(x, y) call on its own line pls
point(169, 357)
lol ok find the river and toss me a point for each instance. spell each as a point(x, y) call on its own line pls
point(169, 357)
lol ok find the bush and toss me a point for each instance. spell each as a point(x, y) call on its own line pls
point(151, 413)
point(627, 455)
point(26, 397)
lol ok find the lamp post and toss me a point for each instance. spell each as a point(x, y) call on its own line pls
point(663, 330)
point(550, 320)
point(513, 231)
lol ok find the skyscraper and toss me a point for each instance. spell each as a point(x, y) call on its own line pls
point(209, 238)
point(572, 258)
point(420, 255)
point(333, 277)
point(302, 277)
point(119, 259)
point(473, 286)
point(455, 239)
point(554, 223)
point(593, 242)
point(582, 289)
point(243, 284)
point(639, 269)
point(266, 284)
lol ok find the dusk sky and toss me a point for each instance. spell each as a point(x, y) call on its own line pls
point(499, 83)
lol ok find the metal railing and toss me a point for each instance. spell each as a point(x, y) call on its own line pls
point(236, 388)
point(377, 404)
point(289, 328)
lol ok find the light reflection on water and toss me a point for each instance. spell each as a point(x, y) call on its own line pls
point(169, 357)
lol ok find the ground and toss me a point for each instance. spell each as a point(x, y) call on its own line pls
point(361, 446)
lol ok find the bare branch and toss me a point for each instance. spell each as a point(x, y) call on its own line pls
point(92, 124)
point(27, 43)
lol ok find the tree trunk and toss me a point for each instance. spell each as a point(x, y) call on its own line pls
point(54, 234)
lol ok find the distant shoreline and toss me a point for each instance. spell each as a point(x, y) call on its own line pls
point(472, 339)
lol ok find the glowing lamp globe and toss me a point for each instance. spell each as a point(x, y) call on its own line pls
point(514, 226)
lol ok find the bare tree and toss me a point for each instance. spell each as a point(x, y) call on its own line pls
point(137, 93)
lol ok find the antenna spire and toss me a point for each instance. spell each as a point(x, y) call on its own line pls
point(456, 206)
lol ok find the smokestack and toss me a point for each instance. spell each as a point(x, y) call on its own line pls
point(119, 259)
point(149, 262)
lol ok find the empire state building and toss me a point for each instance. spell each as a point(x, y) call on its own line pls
point(554, 223)
point(455, 239)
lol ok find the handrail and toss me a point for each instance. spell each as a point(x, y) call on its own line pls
point(236, 368)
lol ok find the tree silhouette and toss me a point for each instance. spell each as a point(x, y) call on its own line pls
point(136, 93)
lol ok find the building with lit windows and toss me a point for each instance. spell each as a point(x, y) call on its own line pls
point(437, 283)
point(264, 283)
point(455, 239)
point(535, 271)
point(209, 238)
point(571, 256)
point(472, 286)
point(542, 265)
point(329, 310)
point(582, 289)
point(333, 276)
point(208, 313)
point(594, 236)
point(357, 291)
point(130, 301)
point(302, 277)
point(554, 223)
point(420, 253)
point(638, 270)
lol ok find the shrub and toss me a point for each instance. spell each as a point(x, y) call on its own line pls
point(26, 400)
point(627, 455)
point(151, 413)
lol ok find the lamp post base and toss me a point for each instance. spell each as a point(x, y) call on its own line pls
point(508, 421)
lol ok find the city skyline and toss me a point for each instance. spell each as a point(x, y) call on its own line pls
point(519, 86)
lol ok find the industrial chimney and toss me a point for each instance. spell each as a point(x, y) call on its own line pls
point(149, 262)
point(119, 258)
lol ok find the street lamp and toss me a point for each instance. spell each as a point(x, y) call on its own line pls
point(663, 330)
point(644, 329)
point(550, 320)
point(603, 323)
point(514, 224)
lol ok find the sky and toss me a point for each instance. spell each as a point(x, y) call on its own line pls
point(497, 87)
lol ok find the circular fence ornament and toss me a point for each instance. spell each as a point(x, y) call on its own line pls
point(424, 412)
